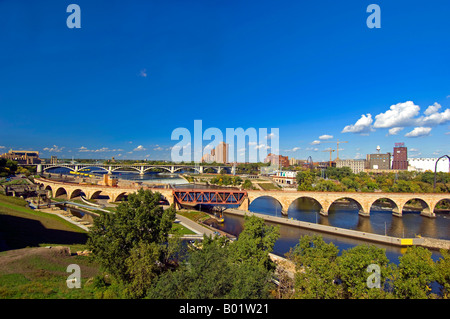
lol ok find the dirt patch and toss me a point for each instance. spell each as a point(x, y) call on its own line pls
point(9, 257)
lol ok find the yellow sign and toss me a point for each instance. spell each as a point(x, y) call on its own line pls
point(406, 242)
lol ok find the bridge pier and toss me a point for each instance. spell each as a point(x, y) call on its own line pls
point(244, 205)
point(428, 214)
point(323, 212)
point(363, 213)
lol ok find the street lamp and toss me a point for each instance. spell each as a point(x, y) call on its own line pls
point(435, 168)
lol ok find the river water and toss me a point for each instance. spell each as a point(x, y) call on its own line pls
point(381, 221)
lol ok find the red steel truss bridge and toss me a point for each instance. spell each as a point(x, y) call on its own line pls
point(209, 196)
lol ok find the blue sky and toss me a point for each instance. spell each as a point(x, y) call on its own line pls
point(137, 70)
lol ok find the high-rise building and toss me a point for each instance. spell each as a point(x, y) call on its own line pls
point(400, 160)
point(221, 153)
point(282, 161)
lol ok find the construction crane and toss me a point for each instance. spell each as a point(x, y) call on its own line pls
point(337, 149)
point(331, 151)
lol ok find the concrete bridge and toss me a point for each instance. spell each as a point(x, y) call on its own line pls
point(364, 201)
point(141, 168)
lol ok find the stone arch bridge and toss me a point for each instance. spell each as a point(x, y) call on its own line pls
point(72, 190)
point(364, 201)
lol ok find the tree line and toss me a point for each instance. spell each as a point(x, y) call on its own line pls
point(343, 179)
point(140, 260)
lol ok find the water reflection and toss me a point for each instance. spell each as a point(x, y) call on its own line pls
point(345, 215)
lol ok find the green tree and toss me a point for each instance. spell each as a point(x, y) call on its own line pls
point(317, 269)
point(353, 265)
point(255, 242)
point(415, 274)
point(222, 269)
point(442, 268)
point(247, 184)
point(119, 240)
point(305, 180)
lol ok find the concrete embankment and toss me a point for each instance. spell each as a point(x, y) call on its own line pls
point(434, 243)
point(336, 230)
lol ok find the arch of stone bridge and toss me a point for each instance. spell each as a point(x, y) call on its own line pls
point(61, 191)
point(427, 207)
point(115, 198)
point(251, 200)
point(395, 205)
point(96, 194)
point(49, 190)
point(362, 209)
point(321, 210)
point(75, 193)
point(447, 199)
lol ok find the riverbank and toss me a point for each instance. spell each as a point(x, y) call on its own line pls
point(389, 240)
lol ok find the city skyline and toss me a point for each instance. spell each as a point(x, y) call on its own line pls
point(134, 72)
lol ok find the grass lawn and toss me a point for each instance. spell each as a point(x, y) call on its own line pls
point(194, 215)
point(27, 268)
point(268, 186)
point(22, 227)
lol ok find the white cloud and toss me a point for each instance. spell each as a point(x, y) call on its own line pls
point(269, 136)
point(294, 149)
point(419, 131)
point(395, 130)
point(257, 147)
point(413, 149)
point(433, 117)
point(55, 149)
point(99, 150)
point(159, 148)
point(432, 109)
point(315, 142)
point(362, 126)
point(1, 147)
point(143, 73)
point(400, 114)
point(325, 137)
point(139, 148)
point(314, 149)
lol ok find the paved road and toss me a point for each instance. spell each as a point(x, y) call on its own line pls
point(199, 229)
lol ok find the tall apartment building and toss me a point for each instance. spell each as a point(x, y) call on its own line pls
point(219, 154)
point(282, 161)
point(400, 157)
point(222, 152)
